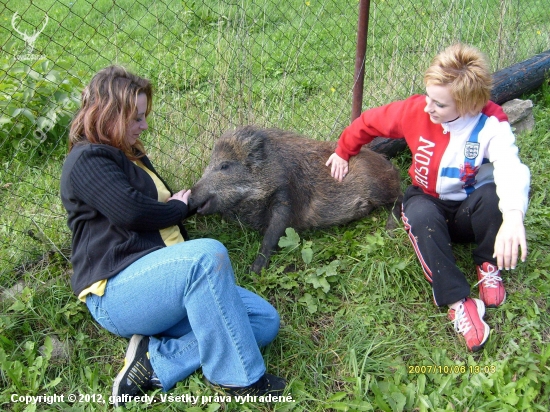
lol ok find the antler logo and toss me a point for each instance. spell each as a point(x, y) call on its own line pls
point(29, 39)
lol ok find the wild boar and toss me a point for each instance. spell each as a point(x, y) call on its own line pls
point(272, 179)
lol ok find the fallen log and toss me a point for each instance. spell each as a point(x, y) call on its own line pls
point(509, 83)
point(514, 81)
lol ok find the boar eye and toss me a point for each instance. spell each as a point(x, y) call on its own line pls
point(224, 166)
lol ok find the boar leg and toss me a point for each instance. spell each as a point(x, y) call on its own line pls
point(278, 222)
point(394, 216)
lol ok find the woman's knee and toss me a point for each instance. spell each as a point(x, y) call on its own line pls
point(268, 327)
point(210, 250)
point(208, 245)
point(273, 330)
point(264, 318)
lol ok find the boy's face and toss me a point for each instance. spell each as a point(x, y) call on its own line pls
point(440, 105)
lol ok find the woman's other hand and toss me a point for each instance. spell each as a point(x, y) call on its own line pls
point(182, 196)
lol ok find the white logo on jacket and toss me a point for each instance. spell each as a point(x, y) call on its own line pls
point(422, 159)
point(471, 150)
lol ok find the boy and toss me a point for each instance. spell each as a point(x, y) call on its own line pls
point(468, 184)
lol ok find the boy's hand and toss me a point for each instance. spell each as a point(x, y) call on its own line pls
point(338, 167)
point(510, 237)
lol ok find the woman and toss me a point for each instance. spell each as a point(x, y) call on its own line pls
point(468, 183)
point(135, 268)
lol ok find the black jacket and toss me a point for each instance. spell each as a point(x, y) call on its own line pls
point(113, 212)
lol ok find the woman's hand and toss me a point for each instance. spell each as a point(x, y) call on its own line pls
point(182, 196)
point(338, 167)
point(510, 237)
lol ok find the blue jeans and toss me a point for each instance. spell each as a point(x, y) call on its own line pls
point(185, 298)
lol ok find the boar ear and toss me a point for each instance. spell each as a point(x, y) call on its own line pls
point(253, 141)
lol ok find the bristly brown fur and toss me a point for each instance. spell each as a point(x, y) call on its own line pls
point(272, 179)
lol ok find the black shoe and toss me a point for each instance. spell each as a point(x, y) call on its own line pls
point(266, 385)
point(137, 376)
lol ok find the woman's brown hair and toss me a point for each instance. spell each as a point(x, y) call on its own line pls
point(109, 102)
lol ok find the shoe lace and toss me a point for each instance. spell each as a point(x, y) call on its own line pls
point(490, 278)
point(461, 323)
point(142, 375)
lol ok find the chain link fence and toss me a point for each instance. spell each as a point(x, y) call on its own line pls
point(215, 65)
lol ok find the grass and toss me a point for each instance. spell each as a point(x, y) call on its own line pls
point(357, 320)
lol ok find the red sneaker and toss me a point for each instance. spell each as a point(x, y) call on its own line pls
point(491, 288)
point(468, 321)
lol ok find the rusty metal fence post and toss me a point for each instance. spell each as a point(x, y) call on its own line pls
point(362, 31)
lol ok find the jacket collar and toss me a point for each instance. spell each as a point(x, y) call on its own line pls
point(460, 124)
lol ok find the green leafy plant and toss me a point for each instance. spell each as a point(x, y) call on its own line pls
point(37, 103)
point(29, 376)
point(291, 241)
point(319, 278)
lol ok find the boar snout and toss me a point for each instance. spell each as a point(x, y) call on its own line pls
point(205, 205)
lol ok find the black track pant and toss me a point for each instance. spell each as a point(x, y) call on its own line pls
point(432, 224)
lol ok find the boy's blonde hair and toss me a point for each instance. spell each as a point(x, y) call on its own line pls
point(466, 70)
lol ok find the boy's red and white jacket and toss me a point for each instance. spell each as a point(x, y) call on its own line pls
point(449, 160)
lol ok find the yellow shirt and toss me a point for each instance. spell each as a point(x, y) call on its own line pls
point(170, 235)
